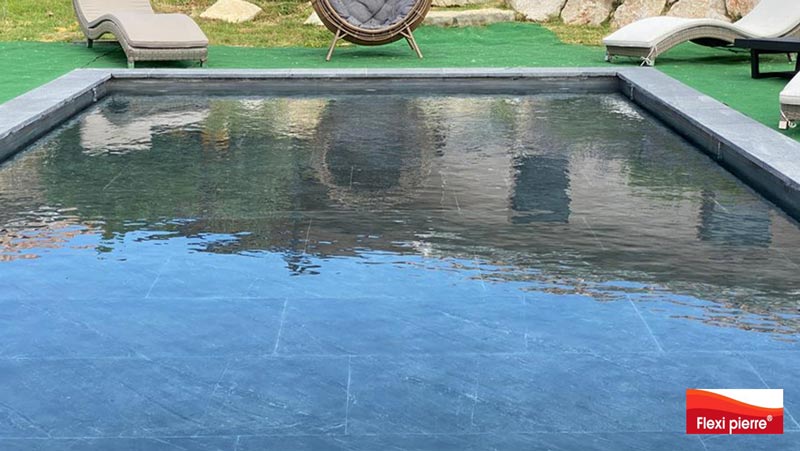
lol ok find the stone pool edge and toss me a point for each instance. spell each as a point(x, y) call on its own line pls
point(763, 158)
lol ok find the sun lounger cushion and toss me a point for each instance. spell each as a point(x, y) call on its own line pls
point(771, 18)
point(92, 10)
point(791, 93)
point(372, 14)
point(156, 31)
point(649, 32)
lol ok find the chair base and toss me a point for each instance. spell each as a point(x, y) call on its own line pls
point(407, 34)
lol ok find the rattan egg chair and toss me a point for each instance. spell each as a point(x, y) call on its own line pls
point(372, 22)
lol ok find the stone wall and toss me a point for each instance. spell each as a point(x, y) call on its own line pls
point(622, 12)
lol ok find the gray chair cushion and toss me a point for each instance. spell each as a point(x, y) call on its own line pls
point(372, 14)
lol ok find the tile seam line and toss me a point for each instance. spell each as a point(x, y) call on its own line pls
point(763, 381)
point(340, 435)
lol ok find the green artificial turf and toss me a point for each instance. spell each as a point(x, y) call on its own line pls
point(721, 74)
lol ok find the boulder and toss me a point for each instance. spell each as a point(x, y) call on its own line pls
point(711, 9)
point(313, 19)
point(469, 17)
point(633, 10)
point(587, 12)
point(537, 10)
point(233, 11)
point(739, 8)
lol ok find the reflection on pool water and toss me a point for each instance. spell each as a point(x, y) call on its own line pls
point(368, 227)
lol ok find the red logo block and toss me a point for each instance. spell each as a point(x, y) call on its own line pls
point(713, 411)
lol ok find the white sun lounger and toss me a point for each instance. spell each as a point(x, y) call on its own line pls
point(648, 38)
point(143, 34)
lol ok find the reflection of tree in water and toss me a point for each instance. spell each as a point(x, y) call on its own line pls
point(267, 166)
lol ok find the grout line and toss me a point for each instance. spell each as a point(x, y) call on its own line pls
point(475, 394)
point(262, 356)
point(280, 327)
point(236, 443)
point(480, 271)
point(525, 319)
point(347, 395)
point(786, 411)
point(158, 277)
point(649, 330)
point(385, 434)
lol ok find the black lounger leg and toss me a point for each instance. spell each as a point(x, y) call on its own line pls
point(755, 70)
point(333, 44)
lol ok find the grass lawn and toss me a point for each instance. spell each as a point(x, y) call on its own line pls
point(40, 45)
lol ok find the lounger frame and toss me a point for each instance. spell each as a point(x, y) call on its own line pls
point(135, 54)
point(708, 35)
point(790, 116)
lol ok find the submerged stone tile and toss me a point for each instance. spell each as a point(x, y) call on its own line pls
point(171, 398)
point(432, 325)
point(120, 444)
point(477, 442)
point(533, 393)
point(568, 323)
point(153, 328)
point(684, 323)
point(781, 370)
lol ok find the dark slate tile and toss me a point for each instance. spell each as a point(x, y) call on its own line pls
point(684, 323)
point(588, 393)
point(79, 276)
point(280, 396)
point(121, 444)
point(392, 326)
point(107, 398)
point(204, 275)
point(41, 329)
point(636, 441)
point(781, 370)
point(403, 394)
point(568, 323)
point(154, 328)
point(534, 393)
point(171, 398)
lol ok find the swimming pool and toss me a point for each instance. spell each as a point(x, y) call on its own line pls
point(363, 271)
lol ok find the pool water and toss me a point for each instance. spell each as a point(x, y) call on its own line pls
point(384, 272)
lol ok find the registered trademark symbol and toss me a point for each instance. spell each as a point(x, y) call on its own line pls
point(769, 417)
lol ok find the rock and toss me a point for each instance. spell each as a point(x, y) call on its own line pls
point(587, 12)
point(313, 19)
point(233, 11)
point(447, 3)
point(711, 9)
point(633, 10)
point(537, 10)
point(739, 8)
point(469, 17)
